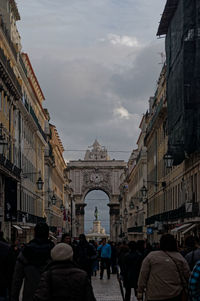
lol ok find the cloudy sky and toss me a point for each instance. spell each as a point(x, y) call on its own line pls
point(97, 62)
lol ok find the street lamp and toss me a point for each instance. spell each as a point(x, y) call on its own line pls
point(125, 212)
point(53, 199)
point(39, 183)
point(131, 205)
point(144, 191)
point(168, 158)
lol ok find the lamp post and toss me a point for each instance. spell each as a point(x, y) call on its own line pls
point(39, 182)
point(168, 158)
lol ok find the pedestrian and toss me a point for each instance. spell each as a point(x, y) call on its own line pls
point(16, 248)
point(2, 237)
point(105, 251)
point(194, 255)
point(194, 283)
point(113, 258)
point(7, 263)
point(62, 279)
point(123, 249)
point(131, 270)
point(95, 263)
point(86, 253)
point(164, 274)
point(66, 238)
point(31, 262)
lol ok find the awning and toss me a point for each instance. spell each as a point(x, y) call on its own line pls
point(190, 228)
point(177, 229)
point(135, 233)
point(26, 227)
point(19, 229)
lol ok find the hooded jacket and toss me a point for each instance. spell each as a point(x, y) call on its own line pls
point(29, 266)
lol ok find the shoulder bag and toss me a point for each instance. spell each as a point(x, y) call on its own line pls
point(184, 293)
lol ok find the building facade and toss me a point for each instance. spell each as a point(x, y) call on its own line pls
point(24, 138)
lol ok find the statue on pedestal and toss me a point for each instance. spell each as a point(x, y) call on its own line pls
point(96, 213)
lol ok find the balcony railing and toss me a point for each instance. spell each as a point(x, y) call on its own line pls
point(30, 218)
point(173, 215)
point(37, 123)
point(138, 229)
point(9, 166)
point(158, 110)
point(7, 35)
point(22, 64)
point(9, 71)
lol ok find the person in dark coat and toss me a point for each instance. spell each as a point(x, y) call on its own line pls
point(30, 264)
point(131, 269)
point(6, 270)
point(63, 280)
point(85, 255)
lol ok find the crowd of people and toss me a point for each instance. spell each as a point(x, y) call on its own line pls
point(43, 271)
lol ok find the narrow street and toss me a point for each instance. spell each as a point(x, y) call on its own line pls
point(106, 290)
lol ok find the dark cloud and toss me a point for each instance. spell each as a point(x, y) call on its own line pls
point(97, 63)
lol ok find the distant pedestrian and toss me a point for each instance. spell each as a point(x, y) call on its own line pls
point(63, 280)
point(123, 249)
point(66, 238)
point(7, 263)
point(105, 255)
point(31, 262)
point(86, 253)
point(164, 274)
point(194, 283)
point(131, 270)
point(113, 258)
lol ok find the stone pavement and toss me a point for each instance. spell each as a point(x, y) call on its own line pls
point(106, 290)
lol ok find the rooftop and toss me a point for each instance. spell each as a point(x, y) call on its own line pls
point(15, 9)
point(169, 11)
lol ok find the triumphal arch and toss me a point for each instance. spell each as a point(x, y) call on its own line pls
point(96, 172)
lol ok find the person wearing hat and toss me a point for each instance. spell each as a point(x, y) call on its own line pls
point(62, 279)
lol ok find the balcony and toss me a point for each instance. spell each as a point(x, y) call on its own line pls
point(160, 109)
point(37, 123)
point(9, 76)
point(174, 215)
point(30, 218)
point(9, 166)
point(22, 64)
point(138, 229)
point(7, 35)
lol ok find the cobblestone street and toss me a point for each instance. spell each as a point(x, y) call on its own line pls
point(106, 290)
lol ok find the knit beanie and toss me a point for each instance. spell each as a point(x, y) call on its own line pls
point(62, 252)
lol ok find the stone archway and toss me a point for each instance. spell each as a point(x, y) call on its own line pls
point(97, 172)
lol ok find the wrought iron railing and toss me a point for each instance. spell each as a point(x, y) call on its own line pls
point(138, 229)
point(8, 69)
point(172, 215)
point(9, 166)
point(7, 35)
point(30, 218)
